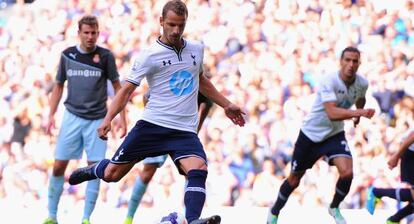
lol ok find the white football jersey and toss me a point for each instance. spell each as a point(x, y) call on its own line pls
point(173, 80)
point(316, 125)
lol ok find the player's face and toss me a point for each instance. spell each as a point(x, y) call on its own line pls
point(349, 65)
point(173, 27)
point(88, 36)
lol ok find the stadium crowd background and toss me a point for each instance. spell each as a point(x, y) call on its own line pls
point(265, 55)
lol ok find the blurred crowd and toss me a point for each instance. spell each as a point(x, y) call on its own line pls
point(266, 55)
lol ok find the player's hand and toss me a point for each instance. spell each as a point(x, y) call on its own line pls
point(393, 161)
point(235, 114)
point(103, 129)
point(356, 121)
point(368, 113)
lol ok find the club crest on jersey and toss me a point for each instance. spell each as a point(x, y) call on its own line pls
point(96, 58)
point(193, 57)
point(181, 83)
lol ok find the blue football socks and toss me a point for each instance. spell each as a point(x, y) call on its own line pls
point(91, 195)
point(137, 193)
point(54, 192)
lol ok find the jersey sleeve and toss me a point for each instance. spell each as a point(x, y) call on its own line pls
point(362, 88)
point(61, 73)
point(111, 68)
point(142, 67)
point(327, 91)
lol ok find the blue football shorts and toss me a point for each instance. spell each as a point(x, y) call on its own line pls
point(76, 134)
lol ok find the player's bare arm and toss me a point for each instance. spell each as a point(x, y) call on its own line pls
point(395, 158)
point(117, 105)
point(232, 111)
point(336, 113)
point(122, 126)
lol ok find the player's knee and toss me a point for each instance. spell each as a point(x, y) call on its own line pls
point(59, 168)
point(192, 163)
point(59, 171)
point(146, 176)
point(293, 181)
point(347, 174)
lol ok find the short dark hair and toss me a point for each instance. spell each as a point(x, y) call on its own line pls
point(177, 6)
point(350, 49)
point(90, 20)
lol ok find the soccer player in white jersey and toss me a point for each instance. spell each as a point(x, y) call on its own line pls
point(374, 195)
point(173, 68)
point(322, 132)
point(151, 164)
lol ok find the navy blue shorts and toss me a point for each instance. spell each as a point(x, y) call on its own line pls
point(149, 140)
point(307, 152)
point(407, 167)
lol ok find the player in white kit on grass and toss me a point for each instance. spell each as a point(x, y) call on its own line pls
point(322, 132)
point(173, 68)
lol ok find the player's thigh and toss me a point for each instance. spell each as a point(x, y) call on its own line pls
point(344, 166)
point(188, 153)
point(144, 140)
point(337, 147)
point(305, 154)
point(69, 141)
point(95, 147)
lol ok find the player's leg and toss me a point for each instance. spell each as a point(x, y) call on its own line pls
point(285, 190)
point(339, 155)
point(105, 170)
point(144, 140)
point(374, 195)
point(95, 151)
point(189, 157)
point(343, 185)
point(304, 156)
point(151, 164)
point(55, 189)
point(68, 146)
point(402, 213)
point(195, 193)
